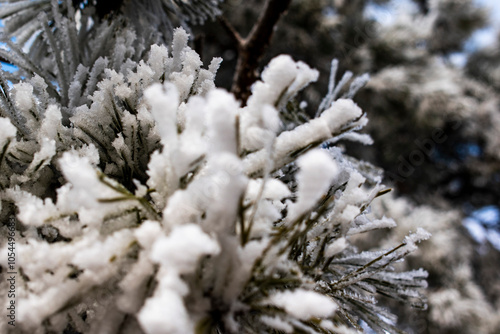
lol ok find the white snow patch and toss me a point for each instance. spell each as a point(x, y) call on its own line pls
point(317, 171)
point(303, 304)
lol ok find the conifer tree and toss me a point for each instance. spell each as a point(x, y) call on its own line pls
point(136, 197)
point(435, 130)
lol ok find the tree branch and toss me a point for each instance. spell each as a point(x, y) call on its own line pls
point(231, 31)
point(251, 49)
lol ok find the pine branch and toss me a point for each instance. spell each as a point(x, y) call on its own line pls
point(251, 49)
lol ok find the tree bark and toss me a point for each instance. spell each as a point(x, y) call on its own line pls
point(251, 49)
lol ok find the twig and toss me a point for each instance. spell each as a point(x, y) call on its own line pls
point(235, 36)
point(251, 49)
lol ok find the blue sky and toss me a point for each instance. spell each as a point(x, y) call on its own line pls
point(494, 6)
point(488, 36)
point(484, 37)
point(480, 39)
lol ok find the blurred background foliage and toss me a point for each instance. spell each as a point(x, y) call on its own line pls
point(433, 104)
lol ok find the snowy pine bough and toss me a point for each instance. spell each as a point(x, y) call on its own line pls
point(148, 201)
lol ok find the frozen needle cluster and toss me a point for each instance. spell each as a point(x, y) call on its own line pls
point(146, 200)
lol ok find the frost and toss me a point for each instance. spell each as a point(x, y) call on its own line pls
point(372, 225)
point(419, 235)
point(86, 187)
point(341, 111)
point(336, 247)
point(180, 251)
point(7, 131)
point(178, 254)
point(147, 233)
point(281, 80)
point(317, 171)
point(50, 124)
point(221, 121)
point(277, 323)
point(165, 312)
point(304, 304)
point(33, 210)
point(23, 95)
point(164, 109)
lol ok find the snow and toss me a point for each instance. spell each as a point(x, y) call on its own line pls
point(51, 265)
point(147, 233)
point(182, 248)
point(164, 101)
point(50, 123)
point(349, 213)
point(134, 285)
point(419, 235)
point(336, 247)
point(221, 109)
point(178, 253)
point(281, 80)
point(270, 206)
point(96, 258)
point(165, 312)
point(302, 135)
point(86, 187)
point(374, 224)
point(221, 190)
point(317, 171)
point(179, 42)
point(341, 112)
point(44, 155)
point(362, 138)
point(158, 59)
point(304, 304)
point(277, 323)
point(23, 96)
point(7, 130)
point(274, 189)
point(32, 210)
point(246, 257)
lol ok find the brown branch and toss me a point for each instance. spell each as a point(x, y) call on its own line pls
point(231, 31)
point(251, 49)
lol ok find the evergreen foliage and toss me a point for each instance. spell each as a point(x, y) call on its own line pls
point(146, 200)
